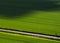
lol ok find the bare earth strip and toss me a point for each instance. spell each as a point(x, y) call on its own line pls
point(30, 33)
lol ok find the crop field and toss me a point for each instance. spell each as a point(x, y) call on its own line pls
point(40, 16)
point(13, 38)
point(47, 22)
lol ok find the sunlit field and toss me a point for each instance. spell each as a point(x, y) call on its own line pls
point(40, 16)
point(47, 22)
point(10, 38)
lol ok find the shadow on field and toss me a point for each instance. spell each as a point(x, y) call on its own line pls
point(12, 8)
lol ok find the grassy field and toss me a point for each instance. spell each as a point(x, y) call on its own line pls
point(27, 15)
point(36, 21)
point(13, 38)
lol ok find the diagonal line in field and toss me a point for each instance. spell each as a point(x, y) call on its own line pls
point(30, 33)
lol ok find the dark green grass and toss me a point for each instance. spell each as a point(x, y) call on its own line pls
point(10, 38)
point(47, 22)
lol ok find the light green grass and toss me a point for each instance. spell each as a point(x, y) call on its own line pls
point(38, 21)
point(15, 38)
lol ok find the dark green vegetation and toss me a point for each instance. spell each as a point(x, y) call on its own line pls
point(10, 38)
point(12, 8)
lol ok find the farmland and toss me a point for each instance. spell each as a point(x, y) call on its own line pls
point(10, 38)
point(40, 16)
point(47, 22)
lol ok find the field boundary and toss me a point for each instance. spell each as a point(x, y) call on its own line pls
point(53, 37)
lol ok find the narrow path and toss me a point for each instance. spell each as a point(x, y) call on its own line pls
point(30, 34)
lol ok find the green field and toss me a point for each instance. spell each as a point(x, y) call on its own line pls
point(36, 21)
point(13, 38)
point(29, 15)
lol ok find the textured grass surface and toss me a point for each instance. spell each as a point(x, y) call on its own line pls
point(38, 21)
point(10, 38)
